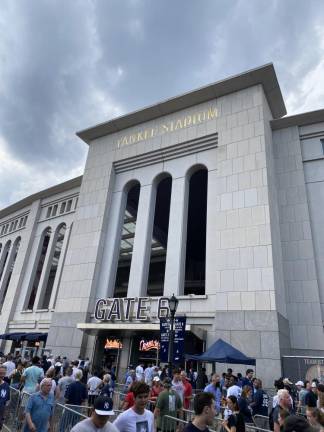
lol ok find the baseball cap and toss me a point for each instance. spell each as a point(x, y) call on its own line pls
point(299, 383)
point(286, 381)
point(156, 378)
point(296, 423)
point(314, 384)
point(103, 405)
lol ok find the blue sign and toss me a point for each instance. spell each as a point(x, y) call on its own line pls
point(178, 341)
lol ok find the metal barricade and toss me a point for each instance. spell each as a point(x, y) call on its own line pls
point(172, 424)
point(118, 398)
point(248, 427)
point(64, 418)
point(10, 415)
point(261, 421)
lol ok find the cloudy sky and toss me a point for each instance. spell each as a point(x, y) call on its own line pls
point(69, 64)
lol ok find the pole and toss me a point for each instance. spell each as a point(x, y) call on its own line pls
point(170, 351)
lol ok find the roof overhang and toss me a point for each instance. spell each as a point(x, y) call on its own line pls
point(264, 75)
point(94, 328)
point(303, 119)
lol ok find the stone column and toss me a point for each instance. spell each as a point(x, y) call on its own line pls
point(143, 235)
point(177, 236)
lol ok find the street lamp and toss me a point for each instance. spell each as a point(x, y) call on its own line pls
point(173, 305)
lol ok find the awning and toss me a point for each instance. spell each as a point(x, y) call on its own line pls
point(24, 336)
point(133, 327)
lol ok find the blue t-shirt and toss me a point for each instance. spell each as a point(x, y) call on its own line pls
point(4, 393)
point(33, 376)
point(216, 391)
point(76, 393)
point(40, 410)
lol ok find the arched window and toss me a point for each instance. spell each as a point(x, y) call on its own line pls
point(159, 238)
point(6, 281)
point(4, 257)
point(44, 245)
point(196, 233)
point(45, 299)
point(127, 241)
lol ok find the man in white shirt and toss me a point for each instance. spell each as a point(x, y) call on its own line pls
point(94, 384)
point(233, 389)
point(137, 418)
point(177, 385)
point(9, 365)
point(103, 408)
point(139, 372)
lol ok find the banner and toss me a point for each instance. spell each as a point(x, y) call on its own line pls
point(178, 341)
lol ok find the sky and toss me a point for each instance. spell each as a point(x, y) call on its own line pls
point(66, 65)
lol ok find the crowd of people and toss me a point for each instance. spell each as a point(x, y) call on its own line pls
point(149, 396)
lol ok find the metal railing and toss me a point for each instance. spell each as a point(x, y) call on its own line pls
point(64, 418)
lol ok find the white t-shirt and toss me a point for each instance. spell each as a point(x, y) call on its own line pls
point(178, 387)
point(10, 366)
point(74, 371)
point(93, 385)
point(130, 421)
point(87, 425)
point(234, 390)
point(139, 373)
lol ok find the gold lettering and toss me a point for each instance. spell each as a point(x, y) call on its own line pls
point(171, 126)
point(178, 125)
point(140, 136)
point(212, 112)
point(164, 128)
point(187, 121)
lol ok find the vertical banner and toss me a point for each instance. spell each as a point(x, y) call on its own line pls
point(178, 341)
point(179, 337)
point(164, 339)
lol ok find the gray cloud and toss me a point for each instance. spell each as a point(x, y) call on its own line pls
point(66, 65)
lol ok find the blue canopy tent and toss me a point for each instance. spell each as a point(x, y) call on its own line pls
point(222, 352)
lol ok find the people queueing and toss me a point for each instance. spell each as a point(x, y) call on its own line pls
point(233, 400)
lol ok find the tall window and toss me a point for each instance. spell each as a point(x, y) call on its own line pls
point(6, 282)
point(159, 238)
point(4, 257)
point(45, 241)
point(196, 234)
point(127, 242)
point(44, 302)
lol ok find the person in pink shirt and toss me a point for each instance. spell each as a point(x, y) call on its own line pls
point(187, 390)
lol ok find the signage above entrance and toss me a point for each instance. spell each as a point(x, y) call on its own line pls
point(129, 309)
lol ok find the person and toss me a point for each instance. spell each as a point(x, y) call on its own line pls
point(94, 384)
point(297, 423)
point(63, 384)
point(202, 379)
point(320, 397)
point(260, 403)
point(99, 420)
point(139, 372)
point(107, 389)
point(247, 380)
point(177, 384)
point(148, 374)
point(233, 389)
point(32, 376)
point(39, 409)
point(168, 403)
point(129, 400)
point(215, 389)
point(51, 374)
point(311, 396)
point(76, 392)
point(204, 409)
point(137, 418)
point(156, 389)
point(187, 390)
point(192, 376)
point(235, 421)
point(284, 403)
point(243, 403)
point(10, 367)
point(4, 394)
point(315, 417)
point(15, 377)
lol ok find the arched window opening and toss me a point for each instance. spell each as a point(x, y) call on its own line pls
point(45, 241)
point(44, 302)
point(0, 248)
point(4, 257)
point(127, 242)
point(159, 238)
point(6, 282)
point(196, 234)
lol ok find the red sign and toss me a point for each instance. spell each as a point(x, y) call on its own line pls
point(113, 344)
point(149, 345)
